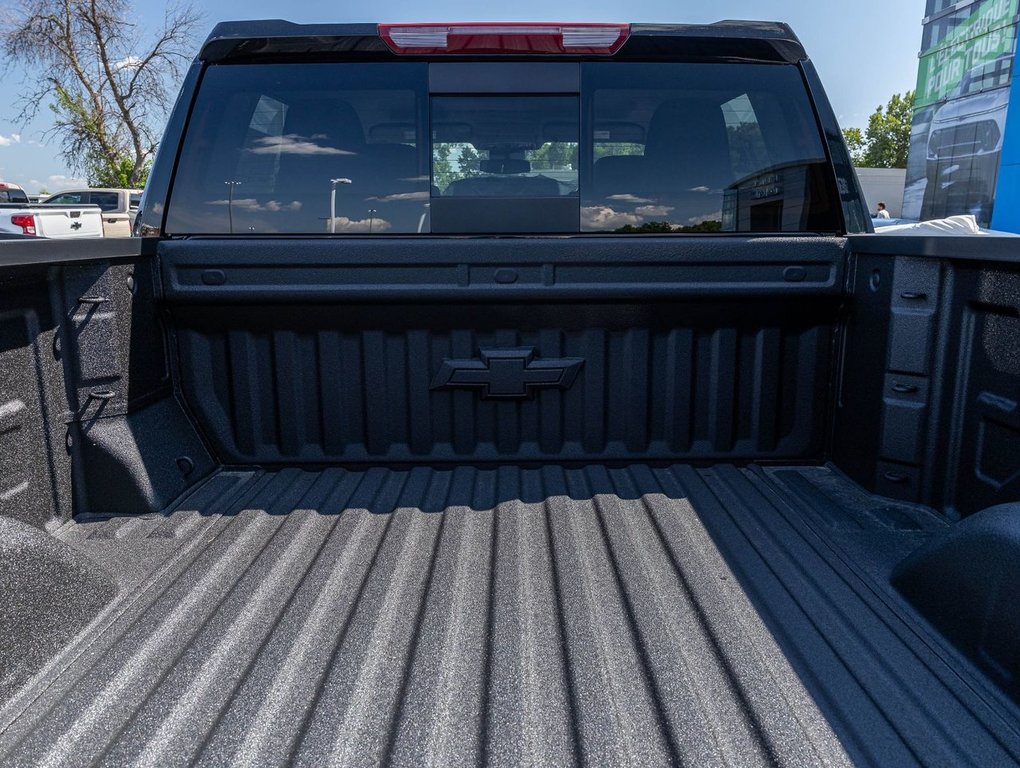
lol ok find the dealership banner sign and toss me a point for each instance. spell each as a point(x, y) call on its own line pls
point(988, 33)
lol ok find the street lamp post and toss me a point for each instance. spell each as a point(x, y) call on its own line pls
point(332, 202)
point(230, 203)
point(371, 219)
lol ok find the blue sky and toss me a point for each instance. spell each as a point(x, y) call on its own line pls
point(864, 51)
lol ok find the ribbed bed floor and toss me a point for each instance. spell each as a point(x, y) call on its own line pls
point(506, 616)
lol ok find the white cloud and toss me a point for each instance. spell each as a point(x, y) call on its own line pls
point(653, 210)
point(343, 224)
point(598, 217)
point(131, 62)
point(6, 141)
point(58, 182)
point(630, 199)
point(717, 216)
point(423, 195)
point(251, 204)
point(293, 144)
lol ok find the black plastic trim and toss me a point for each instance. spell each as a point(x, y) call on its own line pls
point(504, 77)
point(153, 208)
point(848, 188)
point(19, 253)
point(961, 248)
point(723, 40)
point(544, 268)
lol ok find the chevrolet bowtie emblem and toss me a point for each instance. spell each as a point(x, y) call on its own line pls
point(507, 373)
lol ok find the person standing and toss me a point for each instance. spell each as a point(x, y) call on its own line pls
point(882, 212)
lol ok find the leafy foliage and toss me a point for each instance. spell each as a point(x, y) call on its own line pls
point(553, 155)
point(855, 144)
point(453, 161)
point(886, 142)
point(107, 83)
point(442, 166)
point(664, 227)
point(616, 148)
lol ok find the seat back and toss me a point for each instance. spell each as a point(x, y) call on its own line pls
point(687, 149)
point(617, 175)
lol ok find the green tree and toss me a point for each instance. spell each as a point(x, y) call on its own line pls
point(886, 141)
point(469, 161)
point(452, 161)
point(854, 138)
point(554, 155)
point(616, 148)
point(664, 227)
point(107, 79)
point(442, 168)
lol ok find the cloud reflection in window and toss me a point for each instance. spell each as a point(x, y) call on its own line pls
point(294, 144)
point(344, 224)
point(251, 204)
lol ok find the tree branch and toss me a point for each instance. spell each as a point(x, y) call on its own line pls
point(111, 116)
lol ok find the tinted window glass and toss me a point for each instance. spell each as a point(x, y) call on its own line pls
point(304, 148)
point(66, 198)
point(107, 201)
point(358, 148)
point(703, 148)
point(961, 27)
point(994, 74)
point(934, 6)
point(505, 146)
point(13, 196)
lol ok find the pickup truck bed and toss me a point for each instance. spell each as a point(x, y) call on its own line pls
point(51, 220)
point(366, 456)
point(589, 615)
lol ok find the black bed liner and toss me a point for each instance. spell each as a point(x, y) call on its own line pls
point(549, 615)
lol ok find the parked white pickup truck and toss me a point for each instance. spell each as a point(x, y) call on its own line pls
point(12, 193)
point(119, 206)
point(54, 221)
point(19, 217)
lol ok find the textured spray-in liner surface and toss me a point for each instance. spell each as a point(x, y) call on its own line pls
point(444, 617)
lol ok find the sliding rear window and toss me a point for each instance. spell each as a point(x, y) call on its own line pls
point(362, 148)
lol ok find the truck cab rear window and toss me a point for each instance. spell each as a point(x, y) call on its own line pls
point(703, 148)
point(505, 146)
point(362, 148)
point(304, 148)
point(13, 196)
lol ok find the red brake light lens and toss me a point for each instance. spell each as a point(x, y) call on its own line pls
point(426, 39)
point(26, 222)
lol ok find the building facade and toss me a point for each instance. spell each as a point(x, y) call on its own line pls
point(962, 157)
